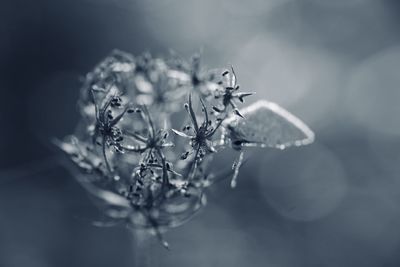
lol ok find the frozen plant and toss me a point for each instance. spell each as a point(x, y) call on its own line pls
point(144, 168)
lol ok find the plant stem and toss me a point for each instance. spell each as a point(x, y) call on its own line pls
point(141, 247)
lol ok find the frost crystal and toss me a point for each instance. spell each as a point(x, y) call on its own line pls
point(123, 151)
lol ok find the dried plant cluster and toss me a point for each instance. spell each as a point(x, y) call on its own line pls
point(140, 160)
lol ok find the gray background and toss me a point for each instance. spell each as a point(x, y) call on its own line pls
point(335, 64)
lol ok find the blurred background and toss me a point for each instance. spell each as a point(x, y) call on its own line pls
point(335, 64)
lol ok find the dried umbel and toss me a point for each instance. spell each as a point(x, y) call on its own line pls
point(141, 166)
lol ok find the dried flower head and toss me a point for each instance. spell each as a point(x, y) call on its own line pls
point(123, 152)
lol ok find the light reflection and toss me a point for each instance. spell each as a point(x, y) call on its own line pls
point(373, 92)
point(280, 71)
point(305, 184)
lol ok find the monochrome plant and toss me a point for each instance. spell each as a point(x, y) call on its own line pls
point(141, 165)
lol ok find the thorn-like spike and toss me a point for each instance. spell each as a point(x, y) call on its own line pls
point(236, 111)
point(180, 133)
point(192, 114)
point(216, 109)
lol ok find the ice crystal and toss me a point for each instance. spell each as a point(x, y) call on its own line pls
point(125, 155)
